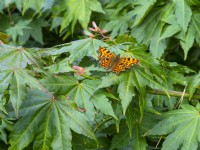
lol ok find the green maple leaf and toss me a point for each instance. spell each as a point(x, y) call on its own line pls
point(152, 27)
point(18, 29)
point(128, 81)
point(79, 49)
point(141, 9)
point(187, 39)
point(123, 140)
point(37, 6)
point(179, 19)
point(135, 129)
point(172, 26)
point(82, 93)
point(17, 57)
point(35, 32)
point(101, 102)
point(195, 25)
point(59, 85)
point(139, 142)
point(181, 127)
point(183, 14)
point(126, 89)
point(193, 33)
point(193, 84)
point(18, 79)
point(118, 26)
point(137, 77)
point(5, 124)
point(52, 118)
point(80, 11)
point(60, 67)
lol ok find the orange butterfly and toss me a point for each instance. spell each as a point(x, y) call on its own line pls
point(109, 60)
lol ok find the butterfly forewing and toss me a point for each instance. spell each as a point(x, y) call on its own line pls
point(106, 57)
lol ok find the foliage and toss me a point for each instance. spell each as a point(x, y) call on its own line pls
point(61, 98)
point(182, 126)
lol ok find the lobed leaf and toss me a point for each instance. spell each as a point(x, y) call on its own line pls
point(81, 95)
point(193, 84)
point(181, 127)
point(36, 26)
point(139, 142)
point(18, 29)
point(195, 26)
point(142, 8)
point(102, 103)
point(18, 79)
point(121, 139)
point(17, 92)
point(183, 14)
point(79, 49)
point(51, 133)
point(118, 26)
point(79, 11)
point(130, 118)
point(59, 84)
point(17, 57)
point(126, 89)
point(152, 27)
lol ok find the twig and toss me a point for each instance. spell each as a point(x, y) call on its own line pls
point(88, 77)
point(10, 16)
point(181, 99)
point(173, 93)
point(158, 142)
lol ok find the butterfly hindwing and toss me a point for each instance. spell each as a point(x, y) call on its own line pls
point(129, 61)
point(124, 63)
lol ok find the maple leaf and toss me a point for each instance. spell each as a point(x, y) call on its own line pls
point(118, 26)
point(35, 32)
point(181, 128)
point(55, 120)
point(80, 11)
point(81, 93)
point(193, 84)
point(18, 57)
point(18, 80)
point(18, 29)
point(135, 78)
point(79, 49)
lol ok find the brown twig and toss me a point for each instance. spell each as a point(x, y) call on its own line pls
point(172, 93)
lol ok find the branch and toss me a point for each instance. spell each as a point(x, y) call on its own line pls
point(10, 16)
point(172, 93)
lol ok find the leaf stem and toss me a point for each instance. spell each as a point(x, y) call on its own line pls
point(172, 93)
point(88, 77)
point(102, 123)
point(10, 16)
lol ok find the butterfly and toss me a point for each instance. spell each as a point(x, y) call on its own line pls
point(109, 60)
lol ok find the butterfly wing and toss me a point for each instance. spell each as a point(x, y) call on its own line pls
point(124, 63)
point(106, 58)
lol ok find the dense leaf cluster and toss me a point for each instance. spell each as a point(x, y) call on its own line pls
point(61, 98)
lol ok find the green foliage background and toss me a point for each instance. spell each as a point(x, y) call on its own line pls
point(46, 104)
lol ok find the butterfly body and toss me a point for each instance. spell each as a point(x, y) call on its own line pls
point(109, 60)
